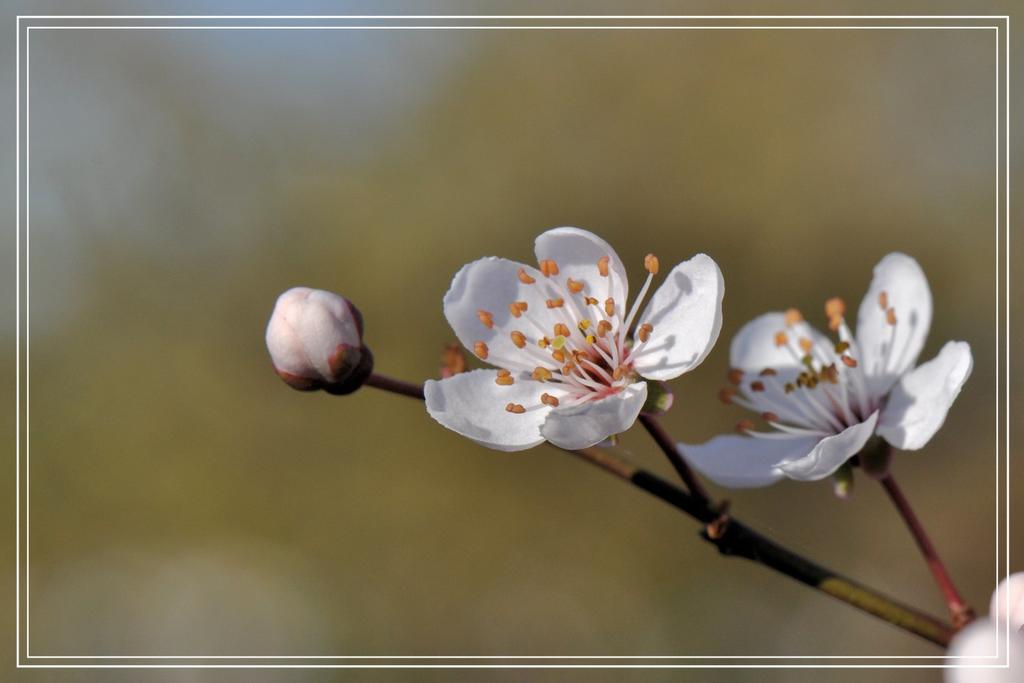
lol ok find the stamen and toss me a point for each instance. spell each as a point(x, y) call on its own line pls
point(555, 303)
point(793, 316)
point(769, 417)
point(575, 286)
point(726, 394)
point(735, 376)
point(515, 408)
point(789, 388)
point(543, 342)
point(644, 333)
point(518, 338)
point(835, 307)
point(609, 306)
point(805, 344)
point(591, 339)
point(548, 267)
point(781, 339)
point(744, 426)
point(890, 316)
point(603, 328)
point(651, 264)
point(848, 362)
point(883, 300)
point(590, 301)
point(541, 374)
point(504, 378)
point(619, 373)
point(486, 318)
point(842, 346)
point(602, 266)
point(514, 310)
point(480, 349)
point(549, 400)
point(768, 372)
point(558, 355)
point(835, 322)
point(525, 278)
point(562, 330)
point(757, 385)
point(584, 325)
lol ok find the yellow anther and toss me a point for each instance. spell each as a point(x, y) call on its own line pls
point(541, 374)
point(515, 408)
point(591, 339)
point(548, 267)
point(525, 278)
point(480, 349)
point(609, 306)
point(781, 339)
point(486, 318)
point(603, 327)
point(549, 400)
point(726, 394)
point(584, 325)
point(558, 355)
point(543, 342)
point(518, 338)
point(883, 300)
point(602, 266)
point(651, 264)
point(805, 344)
point(757, 385)
point(735, 376)
point(890, 316)
point(555, 303)
point(835, 307)
point(562, 330)
point(768, 372)
point(575, 286)
point(848, 362)
point(744, 426)
point(644, 333)
point(590, 301)
point(504, 378)
point(793, 316)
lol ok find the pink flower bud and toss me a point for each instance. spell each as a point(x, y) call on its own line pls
point(315, 341)
point(1008, 602)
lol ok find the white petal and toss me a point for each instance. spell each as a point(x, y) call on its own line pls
point(491, 284)
point(745, 462)
point(686, 312)
point(1007, 602)
point(577, 252)
point(753, 348)
point(888, 351)
point(831, 452)
point(918, 404)
point(973, 655)
point(472, 404)
point(594, 421)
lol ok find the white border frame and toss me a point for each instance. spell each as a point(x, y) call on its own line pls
point(25, 660)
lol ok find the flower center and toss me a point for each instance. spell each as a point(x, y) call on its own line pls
point(828, 394)
point(588, 351)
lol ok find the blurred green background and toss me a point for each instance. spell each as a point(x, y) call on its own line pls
point(185, 501)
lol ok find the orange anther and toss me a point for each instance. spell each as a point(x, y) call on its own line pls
point(609, 306)
point(726, 394)
point(525, 278)
point(848, 362)
point(518, 338)
point(480, 349)
point(575, 286)
point(768, 372)
point(744, 426)
point(548, 267)
point(651, 264)
point(486, 318)
point(549, 400)
point(781, 339)
point(644, 333)
point(769, 417)
point(890, 316)
point(555, 303)
point(735, 376)
point(793, 316)
point(805, 344)
point(757, 385)
point(562, 330)
point(515, 408)
point(603, 328)
point(541, 374)
point(883, 300)
point(835, 307)
point(602, 266)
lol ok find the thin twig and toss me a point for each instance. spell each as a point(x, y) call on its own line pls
point(959, 610)
point(734, 538)
point(668, 447)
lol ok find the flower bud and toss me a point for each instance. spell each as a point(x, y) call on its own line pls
point(1008, 602)
point(315, 342)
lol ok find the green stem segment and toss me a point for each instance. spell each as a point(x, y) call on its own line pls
point(732, 537)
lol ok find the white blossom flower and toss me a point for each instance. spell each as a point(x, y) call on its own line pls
point(568, 370)
point(826, 398)
point(982, 648)
point(315, 341)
